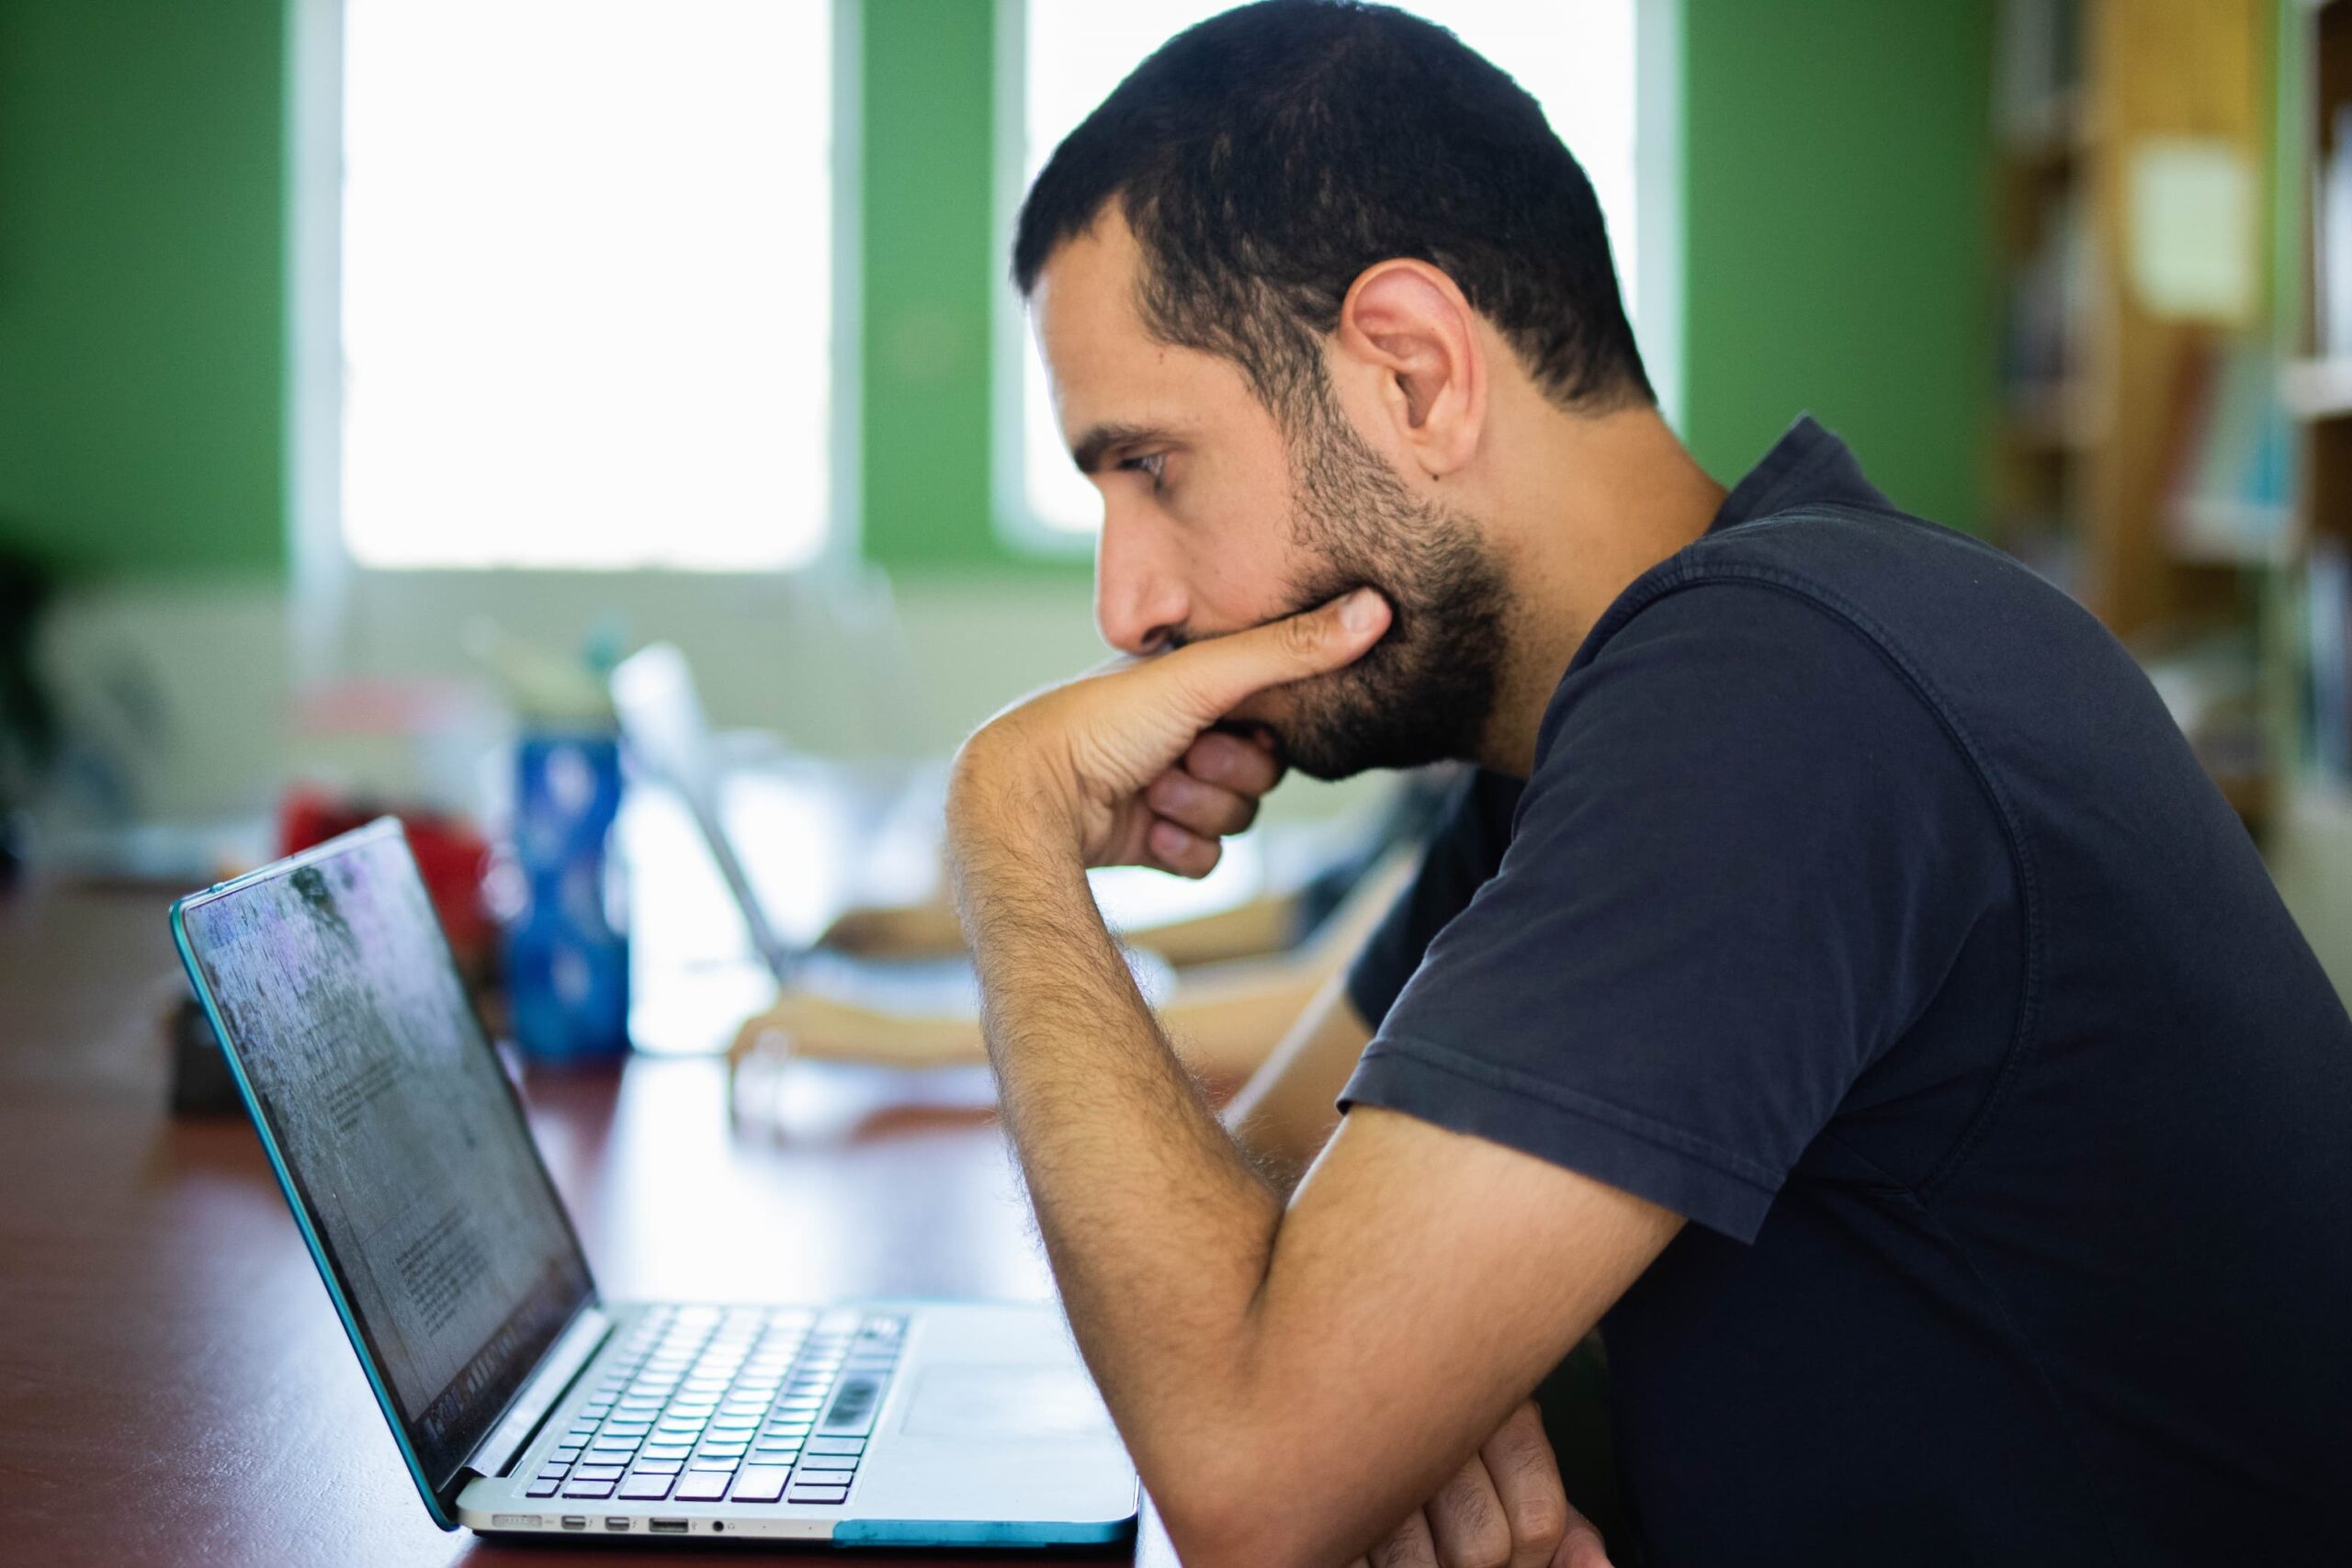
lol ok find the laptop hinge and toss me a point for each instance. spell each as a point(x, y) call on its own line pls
point(556, 1371)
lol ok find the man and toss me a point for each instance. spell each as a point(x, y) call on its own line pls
point(1841, 978)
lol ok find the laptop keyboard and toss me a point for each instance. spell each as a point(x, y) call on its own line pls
point(746, 1405)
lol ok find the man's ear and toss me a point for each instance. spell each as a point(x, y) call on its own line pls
point(1408, 321)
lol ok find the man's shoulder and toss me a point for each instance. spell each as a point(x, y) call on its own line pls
point(1801, 608)
point(1871, 563)
point(1852, 603)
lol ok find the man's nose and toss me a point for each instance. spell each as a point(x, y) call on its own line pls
point(1138, 602)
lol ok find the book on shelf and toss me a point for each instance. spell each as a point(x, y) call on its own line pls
point(2036, 72)
point(2332, 237)
point(2232, 496)
point(2328, 633)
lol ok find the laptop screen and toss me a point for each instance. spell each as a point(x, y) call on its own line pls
point(400, 1135)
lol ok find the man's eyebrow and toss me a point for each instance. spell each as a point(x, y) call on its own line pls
point(1089, 450)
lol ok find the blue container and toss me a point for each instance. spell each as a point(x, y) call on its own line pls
point(567, 955)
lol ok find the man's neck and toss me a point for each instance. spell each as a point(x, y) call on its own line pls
point(1605, 500)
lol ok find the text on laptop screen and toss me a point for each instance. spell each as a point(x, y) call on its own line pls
point(399, 1132)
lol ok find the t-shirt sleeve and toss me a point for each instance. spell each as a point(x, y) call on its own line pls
point(1750, 852)
point(1465, 847)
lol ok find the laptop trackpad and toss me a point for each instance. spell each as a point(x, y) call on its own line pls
point(1049, 1404)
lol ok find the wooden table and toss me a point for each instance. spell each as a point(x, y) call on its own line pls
point(174, 1385)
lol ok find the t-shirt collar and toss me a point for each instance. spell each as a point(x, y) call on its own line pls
point(1807, 465)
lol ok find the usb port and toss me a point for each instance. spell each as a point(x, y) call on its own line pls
point(669, 1527)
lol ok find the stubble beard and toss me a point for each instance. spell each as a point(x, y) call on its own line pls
point(1425, 692)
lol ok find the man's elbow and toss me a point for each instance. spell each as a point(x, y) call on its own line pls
point(1242, 1532)
point(1243, 1510)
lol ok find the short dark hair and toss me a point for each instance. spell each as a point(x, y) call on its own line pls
point(1268, 155)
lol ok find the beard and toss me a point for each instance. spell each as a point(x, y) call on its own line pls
point(1426, 691)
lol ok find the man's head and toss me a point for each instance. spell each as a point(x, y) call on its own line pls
point(1281, 277)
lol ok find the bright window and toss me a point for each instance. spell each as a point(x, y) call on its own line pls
point(1575, 56)
point(587, 283)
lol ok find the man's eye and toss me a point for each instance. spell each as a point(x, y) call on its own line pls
point(1153, 465)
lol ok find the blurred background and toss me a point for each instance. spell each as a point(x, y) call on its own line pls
point(367, 367)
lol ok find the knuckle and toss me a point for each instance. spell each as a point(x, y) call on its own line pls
point(1405, 1547)
point(1303, 633)
point(1479, 1536)
point(1488, 1547)
point(1539, 1522)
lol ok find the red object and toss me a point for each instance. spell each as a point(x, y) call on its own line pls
point(450, 854)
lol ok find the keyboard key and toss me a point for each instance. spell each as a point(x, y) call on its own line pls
point(815, 1494)
point(599, 1472)
point(579, 1488)
point(668, 1450)
point(543, 1488)
point(660, 1466)
point(564, 1454)
point(822, 1445)
point(827, 1461)
point(853, 1408)
point(647, 1487)
point(760, 1484)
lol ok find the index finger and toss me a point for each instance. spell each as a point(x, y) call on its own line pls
point(1217, 674)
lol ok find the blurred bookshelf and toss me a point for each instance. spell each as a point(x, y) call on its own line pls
point(2144, 456)
point(2316, 387)
point(2310, 848)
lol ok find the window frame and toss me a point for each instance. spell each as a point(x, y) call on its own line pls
point(1017, 527)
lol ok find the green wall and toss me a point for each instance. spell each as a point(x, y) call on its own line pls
point(1837, 252)
point(143, 283)
point(1837, 261)
point(929, 274)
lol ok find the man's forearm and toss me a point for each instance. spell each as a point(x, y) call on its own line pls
point(1159, 1230)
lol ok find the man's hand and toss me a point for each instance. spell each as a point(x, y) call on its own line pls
point(1505, 1506)
point(1119, 767)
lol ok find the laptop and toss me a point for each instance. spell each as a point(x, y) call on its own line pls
point(522, 1401)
